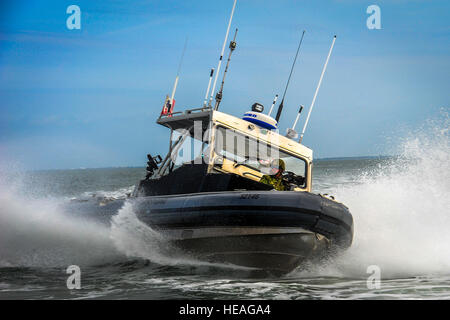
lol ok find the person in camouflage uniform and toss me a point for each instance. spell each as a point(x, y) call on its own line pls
point(275, 178)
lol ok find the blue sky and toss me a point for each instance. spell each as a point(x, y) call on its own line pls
point(90, 97)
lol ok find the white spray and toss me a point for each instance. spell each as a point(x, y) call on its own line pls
point(36, 233)
point(401, 210)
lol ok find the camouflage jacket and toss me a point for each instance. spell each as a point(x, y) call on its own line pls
point(277, 183)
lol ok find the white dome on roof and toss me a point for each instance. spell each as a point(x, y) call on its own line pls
point(260, 119)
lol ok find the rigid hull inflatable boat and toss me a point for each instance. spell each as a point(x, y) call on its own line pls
point(215, 206)
point(274, 231)
point(235, 190)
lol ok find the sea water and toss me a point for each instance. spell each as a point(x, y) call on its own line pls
point(401, 216)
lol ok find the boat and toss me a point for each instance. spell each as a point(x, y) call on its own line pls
point(235, 190)
point(215, 207)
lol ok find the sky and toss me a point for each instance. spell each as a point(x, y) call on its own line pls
point(90, 97)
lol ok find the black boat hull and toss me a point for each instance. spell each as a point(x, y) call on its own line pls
point(276, 253)
point(269, 230)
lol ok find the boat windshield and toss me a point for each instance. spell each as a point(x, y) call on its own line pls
point(186, 149)
point(256, 155)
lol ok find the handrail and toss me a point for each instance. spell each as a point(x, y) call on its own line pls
point(188, 111)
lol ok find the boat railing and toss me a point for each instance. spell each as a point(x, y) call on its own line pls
point(186, 112)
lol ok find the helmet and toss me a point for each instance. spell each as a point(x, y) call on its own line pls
point(277, 165)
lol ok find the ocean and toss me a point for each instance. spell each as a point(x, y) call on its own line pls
point(401, 216)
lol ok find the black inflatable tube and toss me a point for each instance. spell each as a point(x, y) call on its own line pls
point(235, 208)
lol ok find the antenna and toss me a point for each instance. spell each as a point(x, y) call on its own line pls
point(317, 90)
point(219, 94)
point(174, 89)
point(207, 90)
point(291, 133)
point(170, 102)
point(273, 104)
point(182, 55)
point(178, 73)
point(221, 54)
point(280, 107)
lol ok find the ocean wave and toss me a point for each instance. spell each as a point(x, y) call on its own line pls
point(401, 210)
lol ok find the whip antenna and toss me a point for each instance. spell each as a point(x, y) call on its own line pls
point(280, 107)
point(169, 103)
point(209, 85)
point(291, 133)
point(219, 94)
point(178, 73)
point(182, 55)
point(317, 90)
point(221, 54)
point(273, 104)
